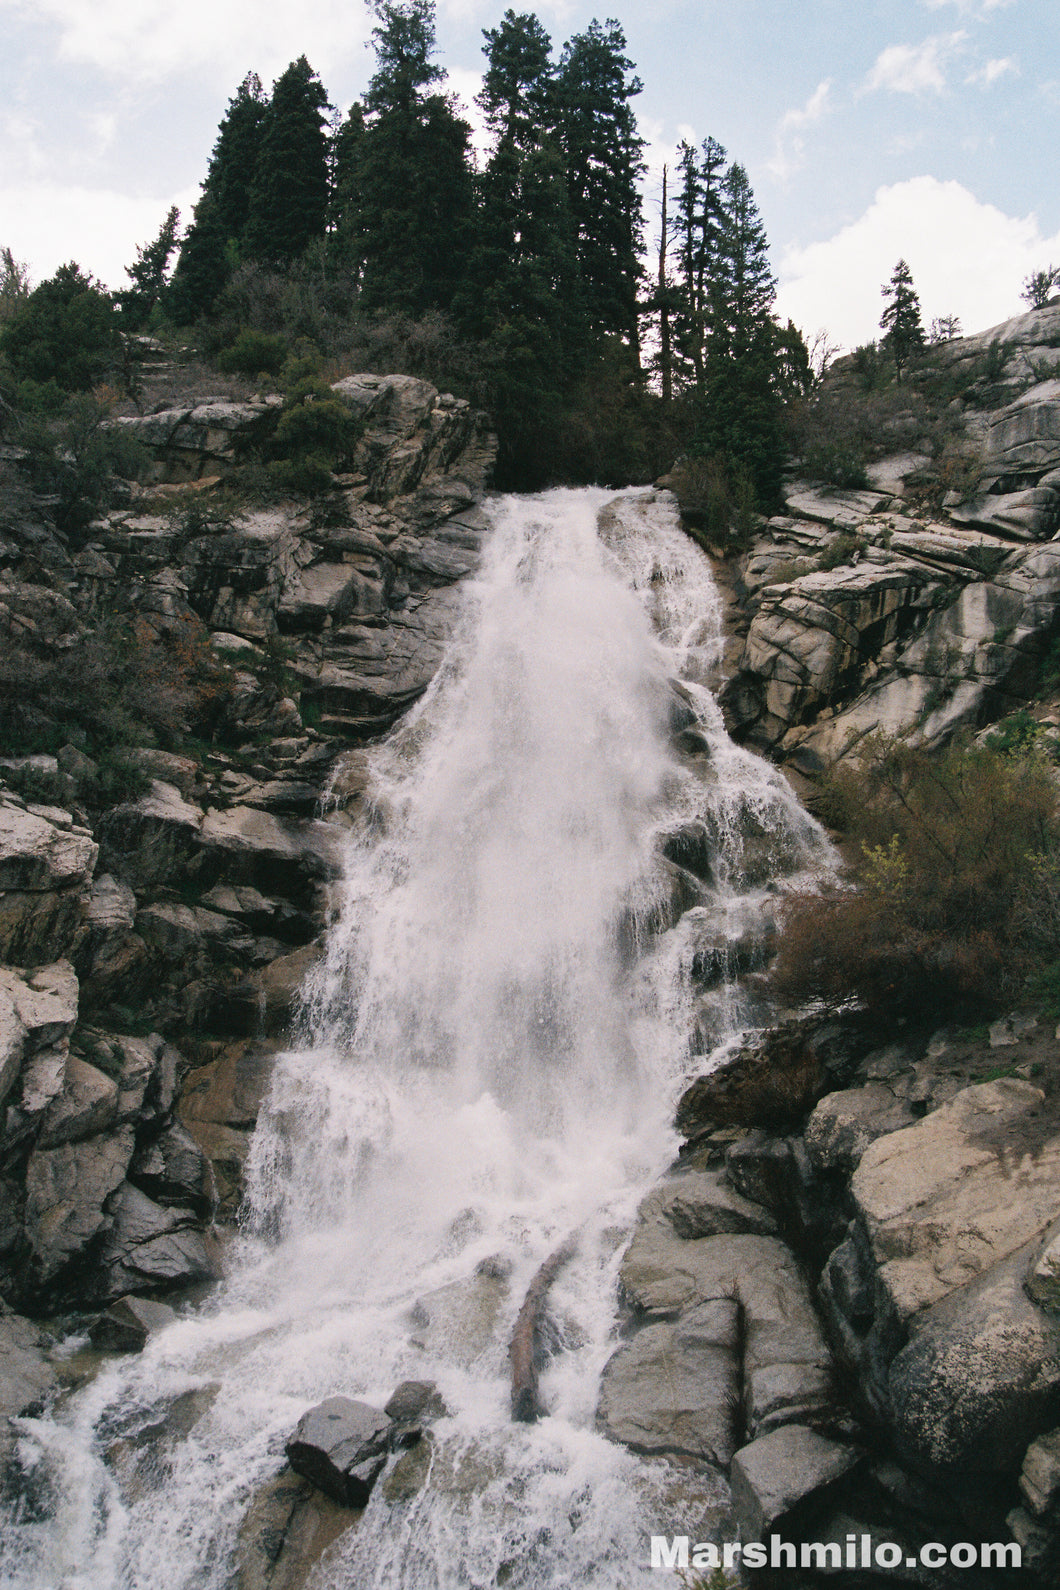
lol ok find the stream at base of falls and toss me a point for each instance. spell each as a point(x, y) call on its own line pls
point(491, 1053)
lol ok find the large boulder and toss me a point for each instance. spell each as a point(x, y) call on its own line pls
point(844, 1124)
point(1024, 438)
point(808, 641)
point(202, 440)
point(946, 1199)
point(66, 1189)
point(771, 1080)
point(88, 1103)
point(151, 840)
point(340, 1446)
point(701, 1204)
point(46, 866)
point(43, 1006)
point(979, 1378)
point(243, 845)
point(27, 1377)
point(675, 1387)
point(776, 1477)
point(219, 1106)
point(785, 1361)
point(148, 1248)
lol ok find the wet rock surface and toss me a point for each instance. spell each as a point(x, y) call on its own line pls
point(341, 1446)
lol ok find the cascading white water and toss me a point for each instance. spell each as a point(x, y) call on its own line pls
point(492, 1050)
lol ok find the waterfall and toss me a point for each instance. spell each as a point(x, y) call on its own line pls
point(489, 1059)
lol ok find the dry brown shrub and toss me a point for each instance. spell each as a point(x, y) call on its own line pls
point(953, 899)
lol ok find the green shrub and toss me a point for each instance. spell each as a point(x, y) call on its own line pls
point(44, 399)
point(716, 500)
point(76, 456)
point(836, 431)
point(956, 895)
point(123, 683)
point(838, 463)
point(1017, 734)
point(65, 331)
point(872, 368)
point(253, 353)
point(317, 434)
point(119, 779)
point(841, 550)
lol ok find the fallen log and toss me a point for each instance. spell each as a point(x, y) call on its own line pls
point(524, 1349)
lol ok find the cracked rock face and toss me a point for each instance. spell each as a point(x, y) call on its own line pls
point(193, 908)
point(925, 620)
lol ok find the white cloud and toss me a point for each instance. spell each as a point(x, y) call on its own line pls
point(97, 227)
point(967, 258)
point(915, 68)
point(969, 8)
point(993, 70)
point(467, 85)
point(150, 40)
point(790, 151)
point(20, 146)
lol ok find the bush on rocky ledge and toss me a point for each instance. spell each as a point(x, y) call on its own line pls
point(956, 891)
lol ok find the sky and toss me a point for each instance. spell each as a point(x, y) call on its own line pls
point(871, 130)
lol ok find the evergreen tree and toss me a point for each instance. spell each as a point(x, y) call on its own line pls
point(517, 88)
point(603, 153)
point(522, 297)
point(404, 42)
point(64, 332)
point(344, 248)
point(743, 396)
point(415, 197)
point(14, 283)
point(794, 371)
point(698, 226)
point(901, 323)
point(1038, 286)
point(148, 273)
point(664, 300)
point(212, 243)
point(289, 192)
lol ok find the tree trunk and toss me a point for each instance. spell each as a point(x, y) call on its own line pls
point(524, 1345)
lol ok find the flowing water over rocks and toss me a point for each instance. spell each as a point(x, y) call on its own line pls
point(564, 865)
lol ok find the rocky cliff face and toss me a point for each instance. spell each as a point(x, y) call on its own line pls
point(853, 1314)
point(153, 944)
point(906, 607)
point(914, 1186)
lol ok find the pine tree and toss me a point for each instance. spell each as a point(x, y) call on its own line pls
point(148, 273)
point(603, 153)
point(344, 246)
point(698, 225)
point(522, 297)
point(742, 388)
point(289, 192)
point(404, 42)
point(212, 243)
point(14, 283)
point(901, 323)
point(1038, 286)
point(415, 198)
point(517, 87)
